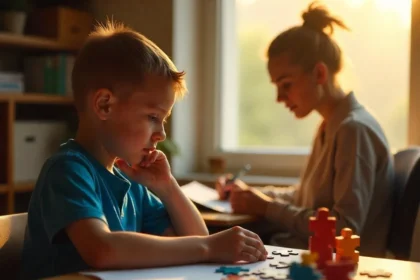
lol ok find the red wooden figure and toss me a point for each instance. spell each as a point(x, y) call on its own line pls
point(323, 240)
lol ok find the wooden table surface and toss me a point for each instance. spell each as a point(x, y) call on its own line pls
point(226, 220)
point(401, 270)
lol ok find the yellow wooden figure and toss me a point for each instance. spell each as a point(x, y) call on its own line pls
point(309, 258)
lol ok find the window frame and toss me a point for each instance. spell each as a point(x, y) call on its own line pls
point(269, 162)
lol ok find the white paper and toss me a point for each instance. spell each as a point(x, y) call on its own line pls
point(206, 196)
point(185, 272)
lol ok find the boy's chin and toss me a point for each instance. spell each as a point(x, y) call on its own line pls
point(301, 115)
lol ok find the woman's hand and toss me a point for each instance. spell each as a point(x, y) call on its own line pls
point(224, 186)
point(249, 201)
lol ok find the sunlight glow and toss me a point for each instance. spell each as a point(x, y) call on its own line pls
point(401, 7)
point(356, 3)
point(245, 2)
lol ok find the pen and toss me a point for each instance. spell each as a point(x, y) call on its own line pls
point(240, 173)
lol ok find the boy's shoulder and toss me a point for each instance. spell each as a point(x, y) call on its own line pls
point(68, 158)
point(71, 152)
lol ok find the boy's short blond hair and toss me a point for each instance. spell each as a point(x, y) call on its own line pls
point(118, 58)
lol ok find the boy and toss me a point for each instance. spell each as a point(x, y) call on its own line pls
point(86, 213)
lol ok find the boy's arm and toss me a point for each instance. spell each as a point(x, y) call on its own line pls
point(185, 218)
point(102, 249)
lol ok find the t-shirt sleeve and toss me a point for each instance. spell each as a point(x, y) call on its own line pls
point(68, 195)
point(155, 216)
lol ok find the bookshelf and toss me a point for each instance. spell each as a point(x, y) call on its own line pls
point(23, 187)
point(35, 98)
point(8, 40)
point(4, 189)
point(27, 106)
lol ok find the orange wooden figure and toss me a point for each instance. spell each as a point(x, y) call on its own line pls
point(345, 245)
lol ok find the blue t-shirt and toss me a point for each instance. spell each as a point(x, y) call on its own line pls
point(72, 186)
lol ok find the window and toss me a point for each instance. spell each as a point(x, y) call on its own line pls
point(376, 67)
point(231, 111)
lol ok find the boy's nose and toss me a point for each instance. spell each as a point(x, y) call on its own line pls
point(281, 96)
point(159, 136)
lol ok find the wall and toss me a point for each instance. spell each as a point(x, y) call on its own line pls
point(150, 17)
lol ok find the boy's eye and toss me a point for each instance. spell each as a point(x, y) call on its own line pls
point(153, 118)
point(286, 86)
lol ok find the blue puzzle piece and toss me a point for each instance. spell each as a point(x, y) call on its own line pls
point(303, 272)
point(233, 270)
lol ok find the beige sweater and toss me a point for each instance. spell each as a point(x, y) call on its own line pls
point(350, 171)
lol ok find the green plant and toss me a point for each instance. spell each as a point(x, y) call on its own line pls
point(168, 147)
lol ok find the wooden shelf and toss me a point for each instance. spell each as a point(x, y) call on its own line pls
point(35, 98)
point(3, 189)
point(33, 42)
point(18, 188)
point(23, 187)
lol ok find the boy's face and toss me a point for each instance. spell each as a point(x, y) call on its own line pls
point(135, 124)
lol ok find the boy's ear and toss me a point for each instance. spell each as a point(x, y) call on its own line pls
point(321, 73)
point(102, 103)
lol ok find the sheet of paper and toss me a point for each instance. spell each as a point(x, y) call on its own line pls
point(206, 196)
point(183, 272)
point(190, 272)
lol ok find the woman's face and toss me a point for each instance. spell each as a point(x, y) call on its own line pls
point(299, 90)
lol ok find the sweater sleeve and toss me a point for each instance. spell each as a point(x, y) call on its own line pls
point(353, 185)
point(283, 193)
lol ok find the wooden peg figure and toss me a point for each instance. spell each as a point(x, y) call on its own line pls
point(323, 240)
point(345, 245)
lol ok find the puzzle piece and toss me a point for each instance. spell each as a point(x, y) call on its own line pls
point(237, 277)
point(345, 245)
point(285, 253)
point(270, 273)
point(339, 270)
point(376, 273)
point(323, 240)
point(258, 272)
point(303, 272)
point(270, 257)
point(274, 275)
point(226, 270)
point(279, 265)
point(245, 274)
point(309, 258)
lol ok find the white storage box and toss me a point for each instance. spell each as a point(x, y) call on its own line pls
point(34, 142)
point(11, 82)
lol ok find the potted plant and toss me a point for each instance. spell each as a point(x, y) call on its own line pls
point(169, 148)
point(14, 17)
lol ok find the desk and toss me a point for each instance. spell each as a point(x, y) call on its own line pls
point(401, 270)
point(226, 220)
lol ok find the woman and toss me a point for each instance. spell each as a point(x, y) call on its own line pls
point(350, 168)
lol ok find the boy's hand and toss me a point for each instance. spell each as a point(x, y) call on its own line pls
point(236, 244)
point(153, 172)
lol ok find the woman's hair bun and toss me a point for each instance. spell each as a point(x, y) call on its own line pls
point(318, 18)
